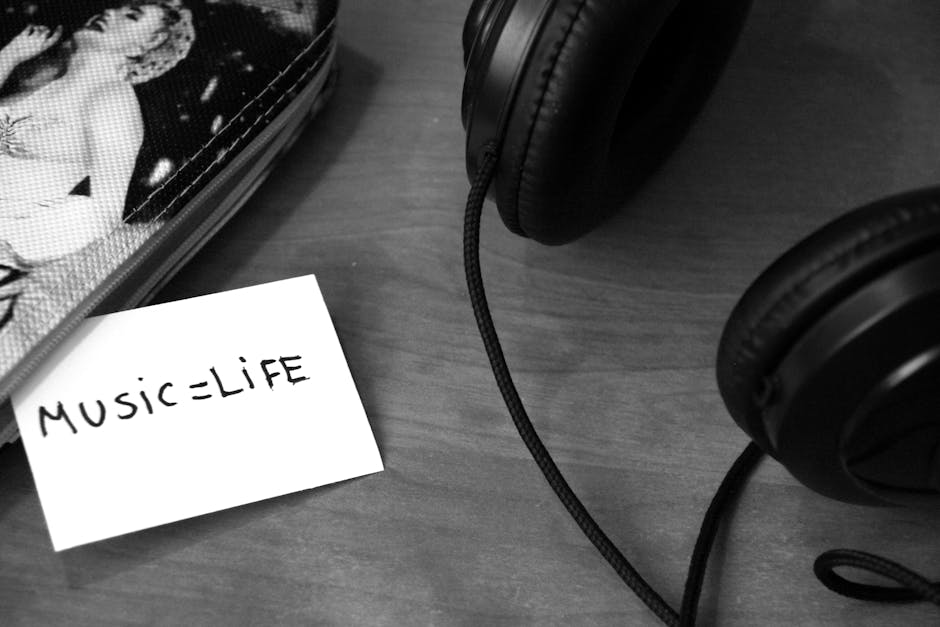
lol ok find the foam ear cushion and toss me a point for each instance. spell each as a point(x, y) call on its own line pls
point(609, 89)
point(809, 280)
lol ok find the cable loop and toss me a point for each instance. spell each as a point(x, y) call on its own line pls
point(913, 586)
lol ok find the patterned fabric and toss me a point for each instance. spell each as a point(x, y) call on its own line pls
point(238, 64)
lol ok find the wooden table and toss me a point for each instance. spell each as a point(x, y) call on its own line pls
point(612, 340)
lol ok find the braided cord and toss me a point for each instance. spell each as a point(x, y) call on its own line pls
point(914, 587)
point(520, 418)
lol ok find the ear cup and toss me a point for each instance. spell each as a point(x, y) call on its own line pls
point(477, 16)
point(607, 91)
point(809, 280)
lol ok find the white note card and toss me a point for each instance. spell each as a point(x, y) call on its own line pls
point(162, 413)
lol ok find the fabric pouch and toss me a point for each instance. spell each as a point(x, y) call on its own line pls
point(129, 133)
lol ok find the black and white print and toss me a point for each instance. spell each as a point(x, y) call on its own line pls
point(101, 103)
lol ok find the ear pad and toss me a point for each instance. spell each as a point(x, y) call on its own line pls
point(608, 90)
point(476, 20)
point(810, 280)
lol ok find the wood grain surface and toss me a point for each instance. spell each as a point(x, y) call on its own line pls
point(826, 104)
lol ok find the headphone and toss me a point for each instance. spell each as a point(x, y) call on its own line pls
point(830, 361)
point(831, 358)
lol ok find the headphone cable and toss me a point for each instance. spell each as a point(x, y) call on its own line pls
point(621, 565)
point(914, 587)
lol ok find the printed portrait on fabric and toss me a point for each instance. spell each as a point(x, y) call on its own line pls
point(102, 104)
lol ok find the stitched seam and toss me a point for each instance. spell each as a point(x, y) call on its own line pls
point(900, 222)
point(246, 132)
point(264, 92)
point(541, 102)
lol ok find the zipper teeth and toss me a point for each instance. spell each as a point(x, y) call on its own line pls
point(216, 219)
point(77, 315)
point(329, 29)
point(258, 144)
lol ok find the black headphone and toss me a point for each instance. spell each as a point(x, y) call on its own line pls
point(831, 359)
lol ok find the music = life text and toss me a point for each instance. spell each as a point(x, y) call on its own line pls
point(129, 404)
